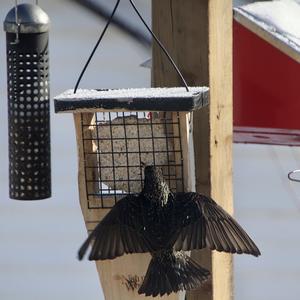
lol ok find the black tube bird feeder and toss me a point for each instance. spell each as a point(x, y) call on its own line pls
point(27, 27)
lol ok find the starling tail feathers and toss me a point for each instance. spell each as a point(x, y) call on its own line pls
point(170, 272)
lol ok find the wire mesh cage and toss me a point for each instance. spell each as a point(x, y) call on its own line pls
point(120, 131)
point(116, 145)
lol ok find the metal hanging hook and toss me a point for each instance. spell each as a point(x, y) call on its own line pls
point(291, 173)
point(17, 40)
point(17, 23)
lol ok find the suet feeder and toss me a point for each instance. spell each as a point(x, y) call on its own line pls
point(27, 27)
point(118, 131)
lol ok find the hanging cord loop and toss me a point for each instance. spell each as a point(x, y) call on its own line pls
point(96, 46)
point(150, 31)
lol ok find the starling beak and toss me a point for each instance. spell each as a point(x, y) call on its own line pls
point(165, 224)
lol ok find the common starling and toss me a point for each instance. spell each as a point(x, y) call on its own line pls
point(166, 224)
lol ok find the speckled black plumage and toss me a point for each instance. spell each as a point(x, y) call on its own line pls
point(165, 224)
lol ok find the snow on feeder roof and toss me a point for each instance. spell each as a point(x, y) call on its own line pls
point(277, 22)
point(155, 99)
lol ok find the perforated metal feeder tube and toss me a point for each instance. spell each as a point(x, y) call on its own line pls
point(27, 27)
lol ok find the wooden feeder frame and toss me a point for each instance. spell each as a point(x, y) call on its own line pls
point(96, 201)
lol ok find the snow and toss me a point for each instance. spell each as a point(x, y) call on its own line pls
point(281, 17)
point(84, 94)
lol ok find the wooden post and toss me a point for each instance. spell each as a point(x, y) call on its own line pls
point(198, 35)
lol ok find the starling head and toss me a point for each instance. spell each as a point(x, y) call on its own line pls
point(155, 187)
point(153, 173)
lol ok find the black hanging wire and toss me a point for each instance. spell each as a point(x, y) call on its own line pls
point(100, 9)
point(96, 46)
point(150, 31)
point(162, 47)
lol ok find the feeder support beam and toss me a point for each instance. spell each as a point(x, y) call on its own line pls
point(198, 35)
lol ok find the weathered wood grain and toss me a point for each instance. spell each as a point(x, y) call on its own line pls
point(198, 34)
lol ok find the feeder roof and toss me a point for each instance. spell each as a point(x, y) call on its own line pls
point(31, 19)
point(276, 22)
point(142, 99)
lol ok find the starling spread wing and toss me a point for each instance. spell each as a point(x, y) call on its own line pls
point(201, 223)
point(119, 232)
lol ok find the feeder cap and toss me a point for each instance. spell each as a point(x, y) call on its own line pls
point(31, 19)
